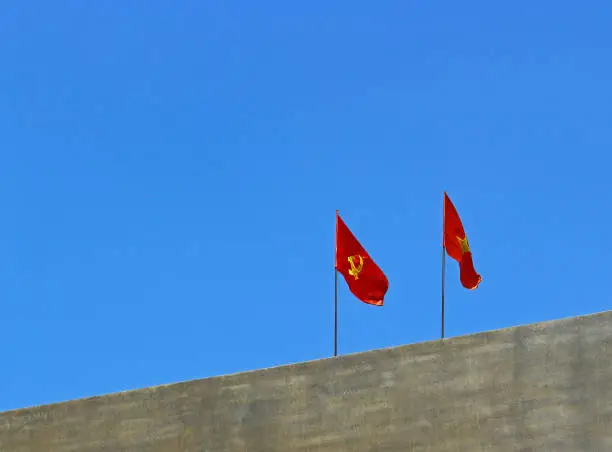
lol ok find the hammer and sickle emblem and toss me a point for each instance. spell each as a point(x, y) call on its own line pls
point(355, 269)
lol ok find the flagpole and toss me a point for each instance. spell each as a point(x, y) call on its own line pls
point(336, 291)
point(443, 269)
point(335, 312)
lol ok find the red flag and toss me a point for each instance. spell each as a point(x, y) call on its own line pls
point(365, 279)
point(457, 246)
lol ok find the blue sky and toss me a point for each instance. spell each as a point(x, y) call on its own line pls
point(170, 172)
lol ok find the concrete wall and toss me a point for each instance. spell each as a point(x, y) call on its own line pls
point(545, 387)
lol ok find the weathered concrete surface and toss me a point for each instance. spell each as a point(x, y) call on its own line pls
point(544, 387)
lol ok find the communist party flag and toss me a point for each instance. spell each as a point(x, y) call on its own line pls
point(457, 246)
point(365, 279)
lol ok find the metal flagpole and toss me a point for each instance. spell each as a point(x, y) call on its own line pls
point(443, 267)
point(443, 271)
point(336, 290)
point(335, 312)
point(336, 293)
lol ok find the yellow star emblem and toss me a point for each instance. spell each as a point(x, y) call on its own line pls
point(463, 243)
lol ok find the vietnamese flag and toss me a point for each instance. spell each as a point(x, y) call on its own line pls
point(457, 246)
point(365, 279)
